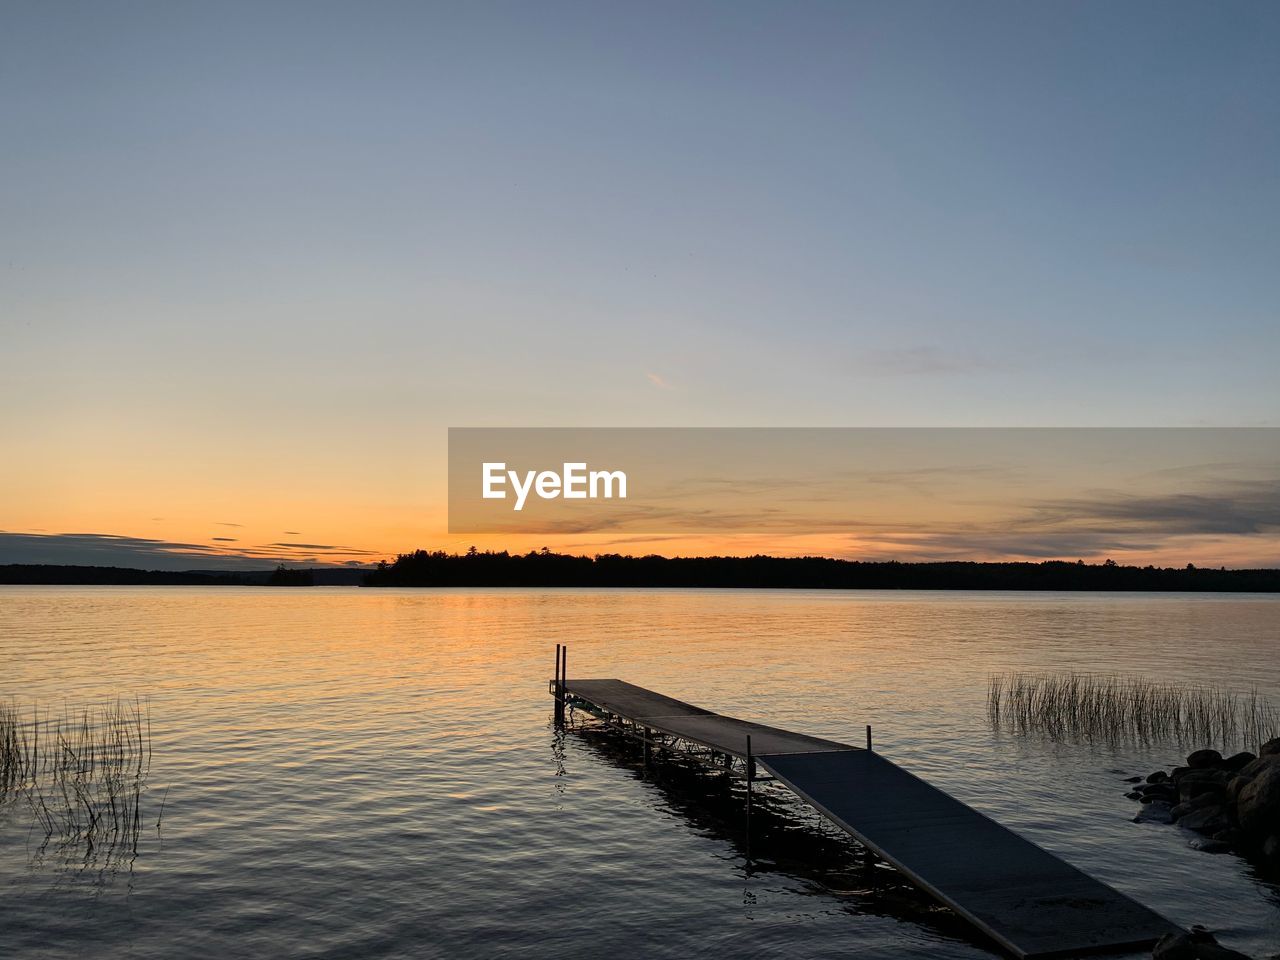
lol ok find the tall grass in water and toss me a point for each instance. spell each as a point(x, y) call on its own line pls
point(1118, 707)
point(82, 773)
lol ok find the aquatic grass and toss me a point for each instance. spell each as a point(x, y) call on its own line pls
point(1126, 707)
point(81, 772)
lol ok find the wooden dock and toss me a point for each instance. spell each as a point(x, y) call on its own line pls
point(1026, 899)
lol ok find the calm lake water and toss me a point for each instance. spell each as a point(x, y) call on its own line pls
point(374, 773)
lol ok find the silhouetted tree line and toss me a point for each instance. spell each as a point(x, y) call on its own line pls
point(282, 576)
point(545, 569)
point(51, 573)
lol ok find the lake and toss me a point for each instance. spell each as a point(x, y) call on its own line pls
point(374, 773)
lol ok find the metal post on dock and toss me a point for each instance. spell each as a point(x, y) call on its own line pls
point(647, 748)
point(751, 776)
point(868, 738)
point(559, 686)
point(555, 688)
point(564, 678)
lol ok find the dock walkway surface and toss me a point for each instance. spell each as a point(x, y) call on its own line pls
point(1028, 900)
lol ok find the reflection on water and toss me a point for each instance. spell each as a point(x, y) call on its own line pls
point(360, 773)
point(80, 776)
point(786, 835)
point(1109, 707)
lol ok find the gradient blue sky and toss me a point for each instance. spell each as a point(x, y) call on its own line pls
point(265, 253)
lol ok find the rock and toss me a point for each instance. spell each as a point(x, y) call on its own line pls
point(1158, 777)
point(1271, 848)
point(1210, 798)
point(1177, 773)
point(1270, 749)
point(1183, 946)
point(1131, 780)
point(1235, 785)
point(1199, 944)
point(1231, 836)
point(1181, 810)
point(1133, 795)
point(1159, 791)
point(1202, 781)
point(1174, 946)
point(1258, 805)
point(1238, 760)
point(1208, 820)
point(1204, 760)
point(1157, 811)
point(1189, 791)
point(1255, 767)
point(1209, 845)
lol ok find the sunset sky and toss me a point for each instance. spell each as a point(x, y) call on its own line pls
point(257, 258)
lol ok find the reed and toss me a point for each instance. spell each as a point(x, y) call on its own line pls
point(82, 773)
point(1120, 706)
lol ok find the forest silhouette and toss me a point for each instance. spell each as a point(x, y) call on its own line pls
point(544, 568)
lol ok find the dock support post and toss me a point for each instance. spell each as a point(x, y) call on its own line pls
point(751, 776)
point(647, 753)
point(868, 738)
point(562, 651)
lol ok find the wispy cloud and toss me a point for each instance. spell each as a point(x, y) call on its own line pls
point(659, 381)
point(621, 542)
point(321, 546)
point(112, 550)
point(1243, 508)
point(1235, 522)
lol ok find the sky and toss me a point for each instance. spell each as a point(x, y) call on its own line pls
point(255, 259)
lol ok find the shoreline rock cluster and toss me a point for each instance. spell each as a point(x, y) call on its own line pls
point(1231, 803)
point(1198, 944)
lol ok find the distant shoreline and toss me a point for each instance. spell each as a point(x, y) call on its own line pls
point(53, 574)
point(424, 569)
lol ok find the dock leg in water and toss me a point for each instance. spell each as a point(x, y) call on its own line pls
point(562, 668)
point(555, 690)
point(751, 776)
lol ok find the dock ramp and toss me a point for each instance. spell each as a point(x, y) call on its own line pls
point(1028, 900)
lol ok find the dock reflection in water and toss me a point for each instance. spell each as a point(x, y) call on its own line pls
point(787, 837)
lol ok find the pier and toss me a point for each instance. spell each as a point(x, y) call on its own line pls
point(1029, 901)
